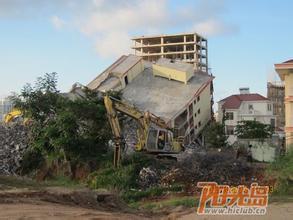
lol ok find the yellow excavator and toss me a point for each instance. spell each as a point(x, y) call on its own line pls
point(154, 135)
point(13, 116)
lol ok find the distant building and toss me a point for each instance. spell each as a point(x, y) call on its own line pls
point(171, 90)
point(189, 47)
point(276, 94)
point(243, 107)
point(5, 107)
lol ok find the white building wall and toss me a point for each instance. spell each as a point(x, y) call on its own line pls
point(260, 112)
point(5, 107)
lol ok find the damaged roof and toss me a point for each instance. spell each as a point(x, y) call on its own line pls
point(109, 78)
point(162, 97)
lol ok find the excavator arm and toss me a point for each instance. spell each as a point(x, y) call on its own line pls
point(12, 116)
point(154, 135)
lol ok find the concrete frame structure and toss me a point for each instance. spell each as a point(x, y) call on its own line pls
point(188, 47)
point(285, 71)
point(276, 94)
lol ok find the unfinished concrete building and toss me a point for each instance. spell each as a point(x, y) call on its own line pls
point(188, 47)
point(171, 90)
point(276, 94)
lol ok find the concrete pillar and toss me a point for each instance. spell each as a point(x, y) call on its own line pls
point(141, 49)
point(162, 47)
point(285, 71)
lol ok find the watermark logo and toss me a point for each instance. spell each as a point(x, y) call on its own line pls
point(225, 200)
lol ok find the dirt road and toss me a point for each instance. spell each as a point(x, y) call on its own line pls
point(281, 211)
point(46, 211)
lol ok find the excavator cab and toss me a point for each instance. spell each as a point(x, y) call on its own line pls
point(161, 140)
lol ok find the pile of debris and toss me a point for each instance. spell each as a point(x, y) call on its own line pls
point(13, 143)
point(148, 177)
point(220, 167)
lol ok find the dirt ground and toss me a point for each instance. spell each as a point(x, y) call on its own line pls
point(45, 211)
point(25, 200)
point(56, 211)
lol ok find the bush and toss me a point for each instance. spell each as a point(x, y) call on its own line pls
point(111, 178)
point(136, 195)
point(253, 129)
point(215, 136)
point(282, 170)
point(31, 160)
point(123, 177)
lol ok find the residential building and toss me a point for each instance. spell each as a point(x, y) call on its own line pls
point(189, 47)
point(5, 107)
point(285, 71)
point(242, 107)
point(169, 89)
point(276, 94)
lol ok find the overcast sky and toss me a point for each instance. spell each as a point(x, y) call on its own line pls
point(78, 39)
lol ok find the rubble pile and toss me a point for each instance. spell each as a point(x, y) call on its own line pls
point(219, 167)
point(13, 143)
point(148, 177)
point(129, 131)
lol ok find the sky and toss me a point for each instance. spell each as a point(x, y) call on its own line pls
point(78, 39)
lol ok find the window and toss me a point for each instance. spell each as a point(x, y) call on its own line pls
point(126, 80)
point(190, 109)
point(269, 107)
point(229, 115)
point(191, 122)
point(273, 122)
point(195, 115)
point(194, 102)
point(250, 107)
point(198, 111)
point(230, 130)
point(198, 98)
point(181, 119)
point(199, 124)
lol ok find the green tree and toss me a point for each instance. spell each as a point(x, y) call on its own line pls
point(215, 136)
point(64, 129)
point(253, 129)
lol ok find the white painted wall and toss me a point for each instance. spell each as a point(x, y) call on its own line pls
point(260, 112)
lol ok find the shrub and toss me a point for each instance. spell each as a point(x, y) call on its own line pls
point(282, 170)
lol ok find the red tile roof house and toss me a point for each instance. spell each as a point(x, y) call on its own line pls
point(245, 106)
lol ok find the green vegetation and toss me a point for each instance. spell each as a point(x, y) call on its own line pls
point(215, 136)
point(253, 129)
point(63, 129)
point(124, 177)
point(7, 182)
point(282, 170)
point(136, 195)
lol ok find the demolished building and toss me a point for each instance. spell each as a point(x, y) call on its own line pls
point(171, 90)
